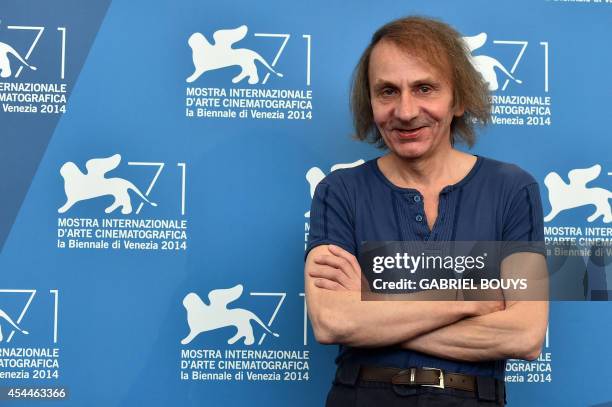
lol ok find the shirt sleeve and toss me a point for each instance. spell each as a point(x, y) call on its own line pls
point(331, 217)
point(523, 229)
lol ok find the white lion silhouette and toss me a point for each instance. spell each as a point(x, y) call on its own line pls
point(316, 175)
point(485, 64)
point(8, 319)
point(5, 64)
point(203, 318)
point(79, 186)
point(564, 196)
point(207, 57)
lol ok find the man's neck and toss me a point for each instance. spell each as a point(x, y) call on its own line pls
point(447, 167)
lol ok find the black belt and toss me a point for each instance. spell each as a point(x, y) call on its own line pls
point(418, 376)
point(483, 387)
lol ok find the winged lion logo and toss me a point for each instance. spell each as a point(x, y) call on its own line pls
point(564, 196)
point(485, 64)
point(202, 317)
point(207, 56)
point(80, 187)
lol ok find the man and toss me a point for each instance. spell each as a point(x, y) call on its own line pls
point(416, 94)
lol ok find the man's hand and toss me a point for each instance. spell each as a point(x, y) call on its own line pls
point(338, 272)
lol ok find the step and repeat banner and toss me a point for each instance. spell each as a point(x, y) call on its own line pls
point(158, 162)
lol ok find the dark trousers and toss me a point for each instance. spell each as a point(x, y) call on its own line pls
point(349, 392)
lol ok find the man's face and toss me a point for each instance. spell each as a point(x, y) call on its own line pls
point(411, 102)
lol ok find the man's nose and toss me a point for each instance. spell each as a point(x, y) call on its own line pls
point(407, 107)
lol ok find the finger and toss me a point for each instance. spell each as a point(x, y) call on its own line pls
point(329, 273)
point(328, 285)
point(335, 262)
point(331, 260)
point(339, 251)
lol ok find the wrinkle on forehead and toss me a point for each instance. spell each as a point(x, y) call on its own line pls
point(424, 72)
point(428, 55)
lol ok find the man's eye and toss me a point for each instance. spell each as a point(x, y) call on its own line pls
point(425, 89)
point(388, 92)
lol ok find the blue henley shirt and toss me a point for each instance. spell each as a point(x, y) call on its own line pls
point(495, 201)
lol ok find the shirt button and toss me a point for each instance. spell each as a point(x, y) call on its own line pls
point(417, 198)
point(419, 218)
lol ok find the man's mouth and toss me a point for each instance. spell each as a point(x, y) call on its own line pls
point(409, 132)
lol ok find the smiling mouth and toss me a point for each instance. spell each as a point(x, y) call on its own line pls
point(409, 133)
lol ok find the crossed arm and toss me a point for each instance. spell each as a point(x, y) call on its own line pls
point(461, 330)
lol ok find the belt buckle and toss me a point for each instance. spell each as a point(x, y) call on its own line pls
point(439, 385)
point(411, 372)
